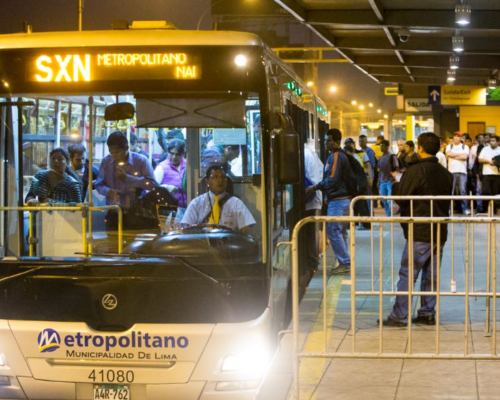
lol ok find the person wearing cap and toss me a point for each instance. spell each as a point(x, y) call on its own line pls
point(457, 154)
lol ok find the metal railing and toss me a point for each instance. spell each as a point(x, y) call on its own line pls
point(83, 208)
point(470, 287)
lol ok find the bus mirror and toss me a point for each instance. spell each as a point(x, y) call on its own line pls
point(287, 148)
point(119, 111)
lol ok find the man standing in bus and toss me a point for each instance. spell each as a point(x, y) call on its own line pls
point(338, 198)
point(123, 177)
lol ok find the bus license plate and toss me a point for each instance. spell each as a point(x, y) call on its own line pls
point(111, 392)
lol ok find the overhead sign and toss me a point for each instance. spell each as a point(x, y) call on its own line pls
point(434, 95)
point(457, 95)
point(61, 67)
point(417, 105)
point(463, 95)
point(391, 91)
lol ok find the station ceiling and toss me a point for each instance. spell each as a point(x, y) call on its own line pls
point(368, 34)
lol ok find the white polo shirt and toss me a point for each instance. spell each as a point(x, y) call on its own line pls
point(487, 154)
point(234, 215)
point(457, 166)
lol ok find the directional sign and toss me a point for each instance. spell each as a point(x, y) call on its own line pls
point(417, 105)
point(463, 95)
point(391, 91)
point(434, 95)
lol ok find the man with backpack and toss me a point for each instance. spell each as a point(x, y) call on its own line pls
point(388, 165)
point(344, 178)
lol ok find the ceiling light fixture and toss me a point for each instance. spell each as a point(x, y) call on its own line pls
point(454, 62)
point(492, 83)
point(451, 76)
point(457, 43)
point(462, 14)
point(354, 102)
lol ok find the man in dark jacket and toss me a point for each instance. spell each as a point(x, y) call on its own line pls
point(338, 198)
point(426, 178)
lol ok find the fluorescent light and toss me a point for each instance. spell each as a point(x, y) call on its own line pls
point(451, 76)
point(454, 62)
point(458, 43)
point(462, 14)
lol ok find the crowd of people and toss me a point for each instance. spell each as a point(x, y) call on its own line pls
point(433, 167)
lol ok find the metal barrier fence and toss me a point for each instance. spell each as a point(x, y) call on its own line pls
point(470, 286)
point(86, 230)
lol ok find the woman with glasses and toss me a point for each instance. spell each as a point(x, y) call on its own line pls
point(171, 173)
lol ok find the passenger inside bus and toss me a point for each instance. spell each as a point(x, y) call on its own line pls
point(234, 160)
point(80, 165)
point(217, 206)
point(56, 184)
point(123, 178)
point(171, 173)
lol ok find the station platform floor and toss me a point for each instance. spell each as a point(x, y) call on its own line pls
point(393, 379)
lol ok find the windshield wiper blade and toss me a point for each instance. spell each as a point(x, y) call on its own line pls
point(223, 288)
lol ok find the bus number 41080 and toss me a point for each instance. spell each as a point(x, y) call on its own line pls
point(111, 376)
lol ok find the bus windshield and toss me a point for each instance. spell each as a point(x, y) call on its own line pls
point(185, 166)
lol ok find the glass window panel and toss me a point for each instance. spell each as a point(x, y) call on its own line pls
point(35, 158)
point(76, 120)
point(65, 113)
point(46, 117)
point(29, 118)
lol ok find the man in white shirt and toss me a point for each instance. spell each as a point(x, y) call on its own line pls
point(217, 207)
point(491, 175)
point(457, 154)
point(314, 174)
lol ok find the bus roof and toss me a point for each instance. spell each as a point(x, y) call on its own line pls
point(127, 38)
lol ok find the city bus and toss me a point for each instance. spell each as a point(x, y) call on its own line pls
point(180, 312)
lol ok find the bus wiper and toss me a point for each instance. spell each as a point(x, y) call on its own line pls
point(223, 288)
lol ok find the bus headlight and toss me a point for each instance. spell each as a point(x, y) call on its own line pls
point(237, 385)
point(253, 363)
point(240, 60)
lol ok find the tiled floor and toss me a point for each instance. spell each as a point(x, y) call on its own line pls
point(390, 379)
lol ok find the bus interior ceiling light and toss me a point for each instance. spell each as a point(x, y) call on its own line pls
point(457, 43)
point(462, 14)
point(454, 62)
point(240, 60)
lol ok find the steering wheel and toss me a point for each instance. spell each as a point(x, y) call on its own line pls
point(210, 226)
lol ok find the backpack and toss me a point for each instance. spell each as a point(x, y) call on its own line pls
point(355, 177)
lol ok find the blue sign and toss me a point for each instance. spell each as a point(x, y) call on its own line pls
point(434, 95)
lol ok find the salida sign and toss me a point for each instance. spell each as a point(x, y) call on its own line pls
point(417, 105)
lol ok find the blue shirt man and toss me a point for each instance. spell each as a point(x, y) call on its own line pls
point(123, 175)
point(339, 199)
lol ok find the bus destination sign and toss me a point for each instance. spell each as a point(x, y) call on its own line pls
point(60, 67)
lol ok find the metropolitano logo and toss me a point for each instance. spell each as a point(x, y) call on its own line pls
point(48, 341)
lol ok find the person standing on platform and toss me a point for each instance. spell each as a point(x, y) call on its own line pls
point(338, 197)
point(491, 175)
point(457, 154)
point(314, 202)
point(387, 164)
point(426, 178)
point(363, 143)
point(410, 158)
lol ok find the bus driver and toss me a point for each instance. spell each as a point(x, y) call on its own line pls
point(217, 206)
